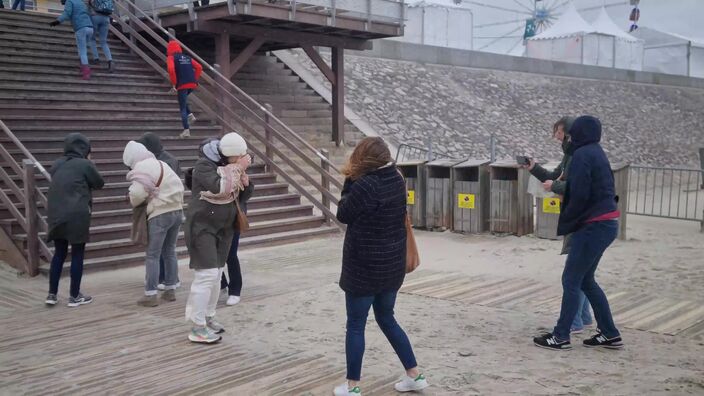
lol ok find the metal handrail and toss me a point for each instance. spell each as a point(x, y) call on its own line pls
point(230, 85)
point(231, 113)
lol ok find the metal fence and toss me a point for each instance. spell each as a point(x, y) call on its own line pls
point(407, 153)
point(674, 193)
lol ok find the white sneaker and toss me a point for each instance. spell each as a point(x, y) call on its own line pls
point(191, 118)
point(185, 134)
point(344, 390)
point(233, 300)
point(408, 384)
point(162, 286)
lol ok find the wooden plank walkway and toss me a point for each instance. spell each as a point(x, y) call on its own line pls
point(114, 347)
point(630, 310)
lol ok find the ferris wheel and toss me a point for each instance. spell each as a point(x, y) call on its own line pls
point(502, 25)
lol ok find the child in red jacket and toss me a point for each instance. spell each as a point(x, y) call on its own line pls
point(184, 73)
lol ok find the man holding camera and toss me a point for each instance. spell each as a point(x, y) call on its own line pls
point(556, 181)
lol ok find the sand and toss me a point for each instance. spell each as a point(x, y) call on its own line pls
point(291, 304)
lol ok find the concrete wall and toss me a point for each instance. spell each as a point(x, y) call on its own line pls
point(395, 50)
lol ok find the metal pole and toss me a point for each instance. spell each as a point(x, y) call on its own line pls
point(701, 160)
point(493, 147)
point(430, 149)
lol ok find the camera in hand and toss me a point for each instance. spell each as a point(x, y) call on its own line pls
point(522, 160)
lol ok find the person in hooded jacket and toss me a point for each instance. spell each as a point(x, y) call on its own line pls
point(73, 178)
point(155, 184)
point(184, 73)
point(211, 221)
point(589, 212)
point(153, 143)
point(77, 12)
point(555, 181)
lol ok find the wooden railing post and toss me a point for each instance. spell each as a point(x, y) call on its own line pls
point(269, 137)
point(133, 24)
point(219, 107)
point(325, 181)
point(31, 216)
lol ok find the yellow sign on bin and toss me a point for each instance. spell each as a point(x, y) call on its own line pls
point(551, 205)
point(411, 197)
point(465, 201)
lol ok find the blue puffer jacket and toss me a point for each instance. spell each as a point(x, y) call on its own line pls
point(77, 12)
point(590, 182)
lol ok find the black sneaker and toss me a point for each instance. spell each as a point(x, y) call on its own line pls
point(81, 299)
point(549, 341)
point(600, 340)
point(51, 299)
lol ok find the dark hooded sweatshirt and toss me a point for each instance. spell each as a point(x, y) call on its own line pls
point(590, 188)
point(73, 177)
point(153, 144)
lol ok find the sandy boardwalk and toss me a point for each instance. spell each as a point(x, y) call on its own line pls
point(470, 312)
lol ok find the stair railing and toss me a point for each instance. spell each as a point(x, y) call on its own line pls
point(30, 221)
point(226, 114)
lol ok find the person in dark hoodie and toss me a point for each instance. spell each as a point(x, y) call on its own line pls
point(590, 213)
point(77, 12)
point(184, 73)
point(555, 181)
point(153, 143)
point(73, 178)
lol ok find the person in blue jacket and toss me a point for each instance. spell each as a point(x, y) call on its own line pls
point(590, 213)
point(77, 12)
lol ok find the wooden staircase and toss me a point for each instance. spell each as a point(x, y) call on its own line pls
point(42, 98)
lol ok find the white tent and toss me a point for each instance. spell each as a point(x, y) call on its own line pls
point(671, 53)
point(627, 50)
point(438, 25)
point(572, 39)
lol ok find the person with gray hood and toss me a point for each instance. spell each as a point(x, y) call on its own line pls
point(73, 179)
point(153, 143)
point(211, 222)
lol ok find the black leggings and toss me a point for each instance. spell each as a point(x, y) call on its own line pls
point(57, 265)
point(233, 269)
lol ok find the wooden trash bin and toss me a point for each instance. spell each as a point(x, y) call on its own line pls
point(414, 173)
point(470, 195)
point(548, 213)
point(511, 208)
point(547, 207)
point(438, 207)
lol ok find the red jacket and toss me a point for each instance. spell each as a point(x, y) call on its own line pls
point(184, 72)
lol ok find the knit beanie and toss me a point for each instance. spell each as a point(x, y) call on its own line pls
point(233, 145)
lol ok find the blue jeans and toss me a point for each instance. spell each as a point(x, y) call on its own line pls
point(101, 25)
point(17, 3)
point(57, 265)
point(163, 234)
point(183, 106)
point(588, 245)
point(584, 315)
point(357, 311)
point(83, 35)
point(234, 272)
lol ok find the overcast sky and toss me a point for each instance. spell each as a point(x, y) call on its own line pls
point(684, 17)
